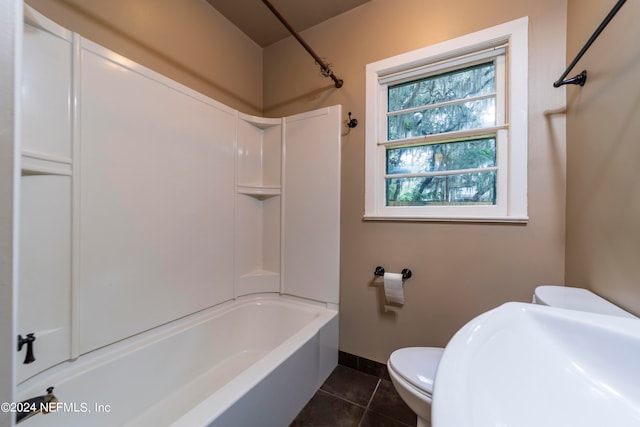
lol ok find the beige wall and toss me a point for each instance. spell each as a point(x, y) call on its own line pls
point(603, 137)
point(186, 40)
point(459, 270)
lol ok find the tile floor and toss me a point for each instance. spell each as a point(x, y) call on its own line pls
point(358, 393)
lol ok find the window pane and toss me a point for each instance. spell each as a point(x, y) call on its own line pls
point(459, 84)
point(477, 188)
point(477, 153)
point(464, 116)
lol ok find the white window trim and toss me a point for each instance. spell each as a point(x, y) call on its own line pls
point(513, 205)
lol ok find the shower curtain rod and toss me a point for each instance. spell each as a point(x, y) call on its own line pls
point(581, 78)
point(325, 68)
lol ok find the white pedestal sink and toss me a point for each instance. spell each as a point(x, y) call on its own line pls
point(525, 365)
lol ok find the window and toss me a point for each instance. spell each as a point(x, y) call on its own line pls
point(446, 135)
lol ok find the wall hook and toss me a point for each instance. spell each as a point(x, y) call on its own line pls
point(352, 122)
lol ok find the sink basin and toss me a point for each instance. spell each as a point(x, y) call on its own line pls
point(523, 365)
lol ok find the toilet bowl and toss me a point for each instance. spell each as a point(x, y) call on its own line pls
point(413, 369)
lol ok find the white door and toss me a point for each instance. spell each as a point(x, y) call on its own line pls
point(44, 283)
point(10, 36)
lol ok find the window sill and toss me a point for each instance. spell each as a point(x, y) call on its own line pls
point(497, 219)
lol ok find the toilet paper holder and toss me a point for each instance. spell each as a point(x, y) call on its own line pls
point(406, 273)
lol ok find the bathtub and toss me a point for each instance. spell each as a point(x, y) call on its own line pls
point(254, 361)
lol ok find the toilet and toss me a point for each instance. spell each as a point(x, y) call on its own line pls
point(576, 299)
point(413, 369)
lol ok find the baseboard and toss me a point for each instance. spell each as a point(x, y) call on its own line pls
point(363, 364)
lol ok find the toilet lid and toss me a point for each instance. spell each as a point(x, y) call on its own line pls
point(417, 365)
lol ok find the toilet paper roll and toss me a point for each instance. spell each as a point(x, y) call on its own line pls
point(393, 291)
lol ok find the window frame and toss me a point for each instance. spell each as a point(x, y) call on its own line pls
point(511, 135)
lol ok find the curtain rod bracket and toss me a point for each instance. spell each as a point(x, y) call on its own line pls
point(579, 80)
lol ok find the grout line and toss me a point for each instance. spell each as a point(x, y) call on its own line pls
point(337, 396)
point(373, 394)
point(369, 402)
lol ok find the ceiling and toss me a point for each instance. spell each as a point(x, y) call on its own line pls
point(255, 19)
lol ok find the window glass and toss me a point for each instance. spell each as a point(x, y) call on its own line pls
point(461, 116)
point(455, 89)
point(458, 84)
point(476, 187)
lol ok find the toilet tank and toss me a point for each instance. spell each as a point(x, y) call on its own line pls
point(576, 299)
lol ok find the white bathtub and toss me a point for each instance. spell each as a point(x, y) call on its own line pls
point(252, 362)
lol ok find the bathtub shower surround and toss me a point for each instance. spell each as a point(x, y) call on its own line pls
point(173, 225)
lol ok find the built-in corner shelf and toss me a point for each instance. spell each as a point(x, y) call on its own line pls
point(258, 204)
point(258, 281)
point(259, 192)
point(260, 273)
point(260, 122)
point(34, 163)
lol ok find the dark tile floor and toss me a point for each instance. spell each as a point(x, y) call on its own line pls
point(353, 398)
